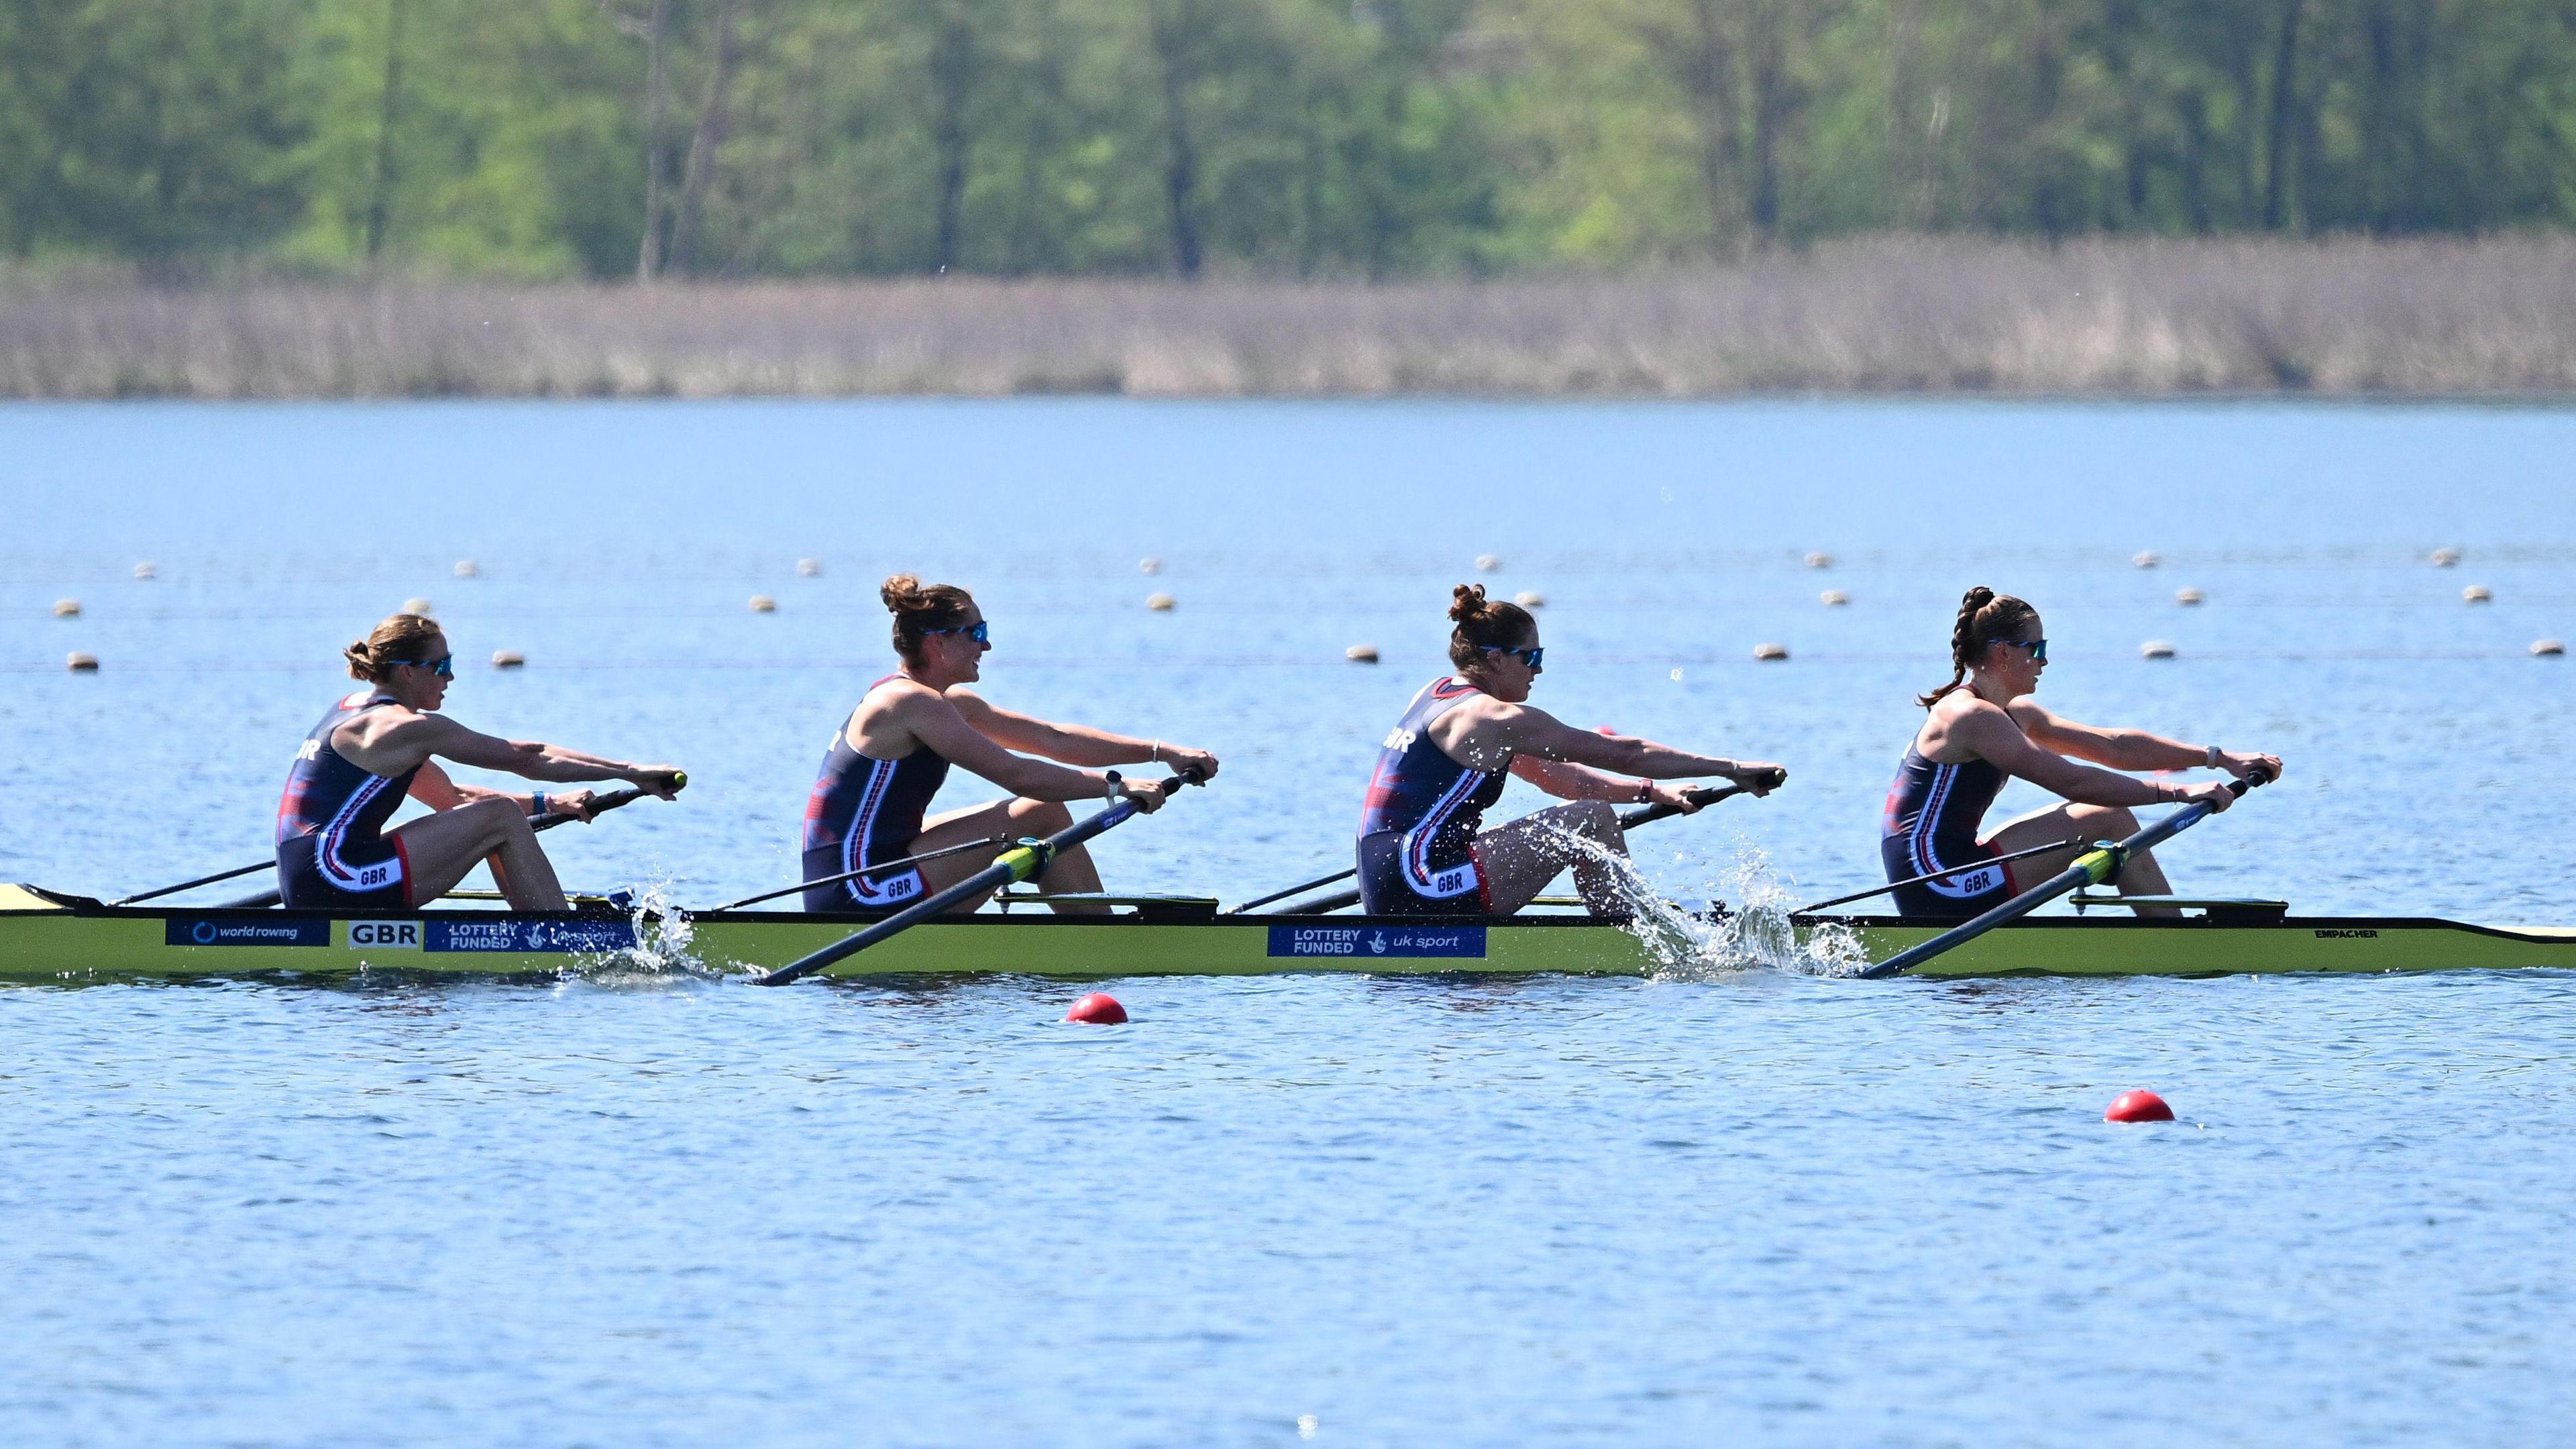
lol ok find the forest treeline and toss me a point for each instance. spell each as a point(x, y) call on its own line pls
point(1311, 138)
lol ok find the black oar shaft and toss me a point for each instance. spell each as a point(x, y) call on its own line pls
point(880, 868)
point(1936, 875)
point(1703, 797)
point(189, 885)
point(547, 821)
point(1024, 861)
point(2092, 868)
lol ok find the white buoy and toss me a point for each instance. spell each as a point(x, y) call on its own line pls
point(1160, 603)
point(66, 608)
point(2547, 648)
point(1361, 654)
point(2155, 649)
point(763, 604)
point(1771, 652)
point(2445, 557)
point(508, 659)
point(81, 663)
point(2145, 558)
point(416, 606)
point(2477, 594)
point(467, 568)
point(1530, 599)
point(1820, 560)
point(1149, 565)
point(2188, 598)
point(809, 568)
point(1488, 562)
point(146, 571)
point(1677, 674)
point(1833, 598)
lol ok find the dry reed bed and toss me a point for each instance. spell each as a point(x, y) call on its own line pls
point(2492, 316)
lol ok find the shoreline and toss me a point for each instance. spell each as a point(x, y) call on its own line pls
point(2471, 322)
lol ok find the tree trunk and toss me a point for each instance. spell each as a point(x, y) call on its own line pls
point(1767, 53)
point(381, 202)
point(1180, 175)
point(702, 145)
point(1708, 74)
point(2276, 159)
point(657, 157)
point(952, 71)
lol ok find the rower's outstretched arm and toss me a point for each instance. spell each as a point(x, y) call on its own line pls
point(2000, 740)
point(1073, 744)
point(2127, 749)
point(423, 735)
point(1535, 732)
point(936, 722)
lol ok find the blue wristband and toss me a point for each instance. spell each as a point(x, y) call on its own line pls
point(537, 803)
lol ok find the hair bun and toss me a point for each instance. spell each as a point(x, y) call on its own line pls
point(1466, 601)
point(901, 592)
point(1977, 598)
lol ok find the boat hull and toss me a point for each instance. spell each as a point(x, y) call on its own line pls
point(52, 938)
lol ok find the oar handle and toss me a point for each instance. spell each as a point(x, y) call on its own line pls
point(1761, 781)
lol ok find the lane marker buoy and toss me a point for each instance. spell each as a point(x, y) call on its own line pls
point(2145, 558)
point(763, 604)
point(2190, 598)
point(508, 659)
point(1097, 1009)
point(467, 568)
point(2477, 594)
point(1833, 598)
point(1820, 560)
point(1361, 654)
point(66, 608)
point(2138, 1106)
point(1488, 562)
point(81, 663)
point(146, 571)
point(1149, 565)
point(416, 606)
point(1771, 652)
point(1160, 603)
point(2155, 649)
point(807, 568)
point(1530, 599)
point(2445, 557)
point(2547, 648)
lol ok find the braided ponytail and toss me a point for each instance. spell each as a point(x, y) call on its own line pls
point(1984, 617)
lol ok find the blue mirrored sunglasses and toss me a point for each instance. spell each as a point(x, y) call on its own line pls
point(2038, 648)
point(1530, 657)
point(444, 666)
point(981, 631)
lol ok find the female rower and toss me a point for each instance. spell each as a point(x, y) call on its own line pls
point(1984, 727)
point(883, 766)
point(1444, 763)
point(377, 746)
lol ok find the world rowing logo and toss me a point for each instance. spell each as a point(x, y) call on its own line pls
point(203, 934)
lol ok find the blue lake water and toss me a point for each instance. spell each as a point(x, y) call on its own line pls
point(629, 1208)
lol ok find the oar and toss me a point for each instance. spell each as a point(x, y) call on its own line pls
point(547, 821)
point(1936, 875)
point(2091, 868)
point(1703, 797)
point(1024, 861)
point(880, 868)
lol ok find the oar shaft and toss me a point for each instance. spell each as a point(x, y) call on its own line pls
point(1936, 875)
point(2092, 868)
point(189, 885)
point(880, 868)
point(1019, 863)
point(547, 821)
point(1703, 797)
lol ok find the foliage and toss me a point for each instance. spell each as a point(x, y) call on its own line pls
point(1353, 138)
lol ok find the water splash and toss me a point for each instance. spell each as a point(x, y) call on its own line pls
point(664, 936)
point(1756, 935)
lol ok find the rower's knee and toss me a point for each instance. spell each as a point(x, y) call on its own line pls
point(2112, 820)
point(498, 819)
point(1595, 818)
point(1040, 817)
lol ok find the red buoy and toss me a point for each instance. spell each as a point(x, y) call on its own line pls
point(1102, 1009)
point(2138, 1106)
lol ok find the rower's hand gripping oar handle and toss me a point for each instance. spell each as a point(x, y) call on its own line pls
point(1762, 783)
point(2108, 858)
